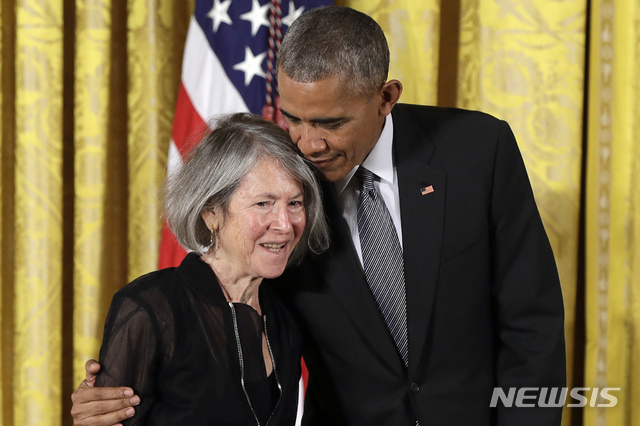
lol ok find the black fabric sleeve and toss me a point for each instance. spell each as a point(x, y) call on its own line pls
point(130, 352)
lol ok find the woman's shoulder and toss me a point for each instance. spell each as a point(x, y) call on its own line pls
point(159, 278)
point(155, 279)
point(151, 291)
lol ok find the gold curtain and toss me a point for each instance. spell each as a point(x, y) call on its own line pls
point(523, 61)
point(127, 72)
point(93, 72)
point(613, 211)
point(413, 32)
point(37, 247)
point(88, 93)
point(3, 334)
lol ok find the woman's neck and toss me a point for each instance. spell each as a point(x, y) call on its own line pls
point(236, 287)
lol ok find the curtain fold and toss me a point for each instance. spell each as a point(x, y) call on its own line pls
point(127, 73)
point(118, 149)
point(524, 62)
point(154, 76)
point(38, 212)
point(2, 156)
point(91, 118)
point(613, 232)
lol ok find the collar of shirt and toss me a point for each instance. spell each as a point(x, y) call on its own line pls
point(380, 162)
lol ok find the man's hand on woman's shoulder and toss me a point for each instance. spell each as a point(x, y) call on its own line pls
point(101, 406)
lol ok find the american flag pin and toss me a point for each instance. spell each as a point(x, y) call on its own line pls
point(426, 190)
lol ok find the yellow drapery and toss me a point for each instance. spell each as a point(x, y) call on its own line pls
point(2, 156)
point(85, 135)
point(37, 303)
point(93, 73)
point(127, 73)
point(613, 211)
point(524, 62)
point(412, 29)
point(88, 90)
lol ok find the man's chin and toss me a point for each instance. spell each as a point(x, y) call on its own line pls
point(330, 170)
point(332, 175)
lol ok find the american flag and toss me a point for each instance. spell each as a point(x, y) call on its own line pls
point(426, 190)
point(228, 66)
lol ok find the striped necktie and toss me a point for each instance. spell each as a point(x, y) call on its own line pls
point(382, 260)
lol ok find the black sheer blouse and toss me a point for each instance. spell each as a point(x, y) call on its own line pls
point(195, 359)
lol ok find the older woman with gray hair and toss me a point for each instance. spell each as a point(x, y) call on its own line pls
point(208, 342)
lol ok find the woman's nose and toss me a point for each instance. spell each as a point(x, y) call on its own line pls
point(281, 219)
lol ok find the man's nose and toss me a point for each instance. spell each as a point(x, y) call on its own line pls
point(310, 141)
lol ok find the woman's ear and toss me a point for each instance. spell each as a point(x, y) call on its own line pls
point(212, 218)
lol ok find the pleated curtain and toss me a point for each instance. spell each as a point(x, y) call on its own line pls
point(88, 89)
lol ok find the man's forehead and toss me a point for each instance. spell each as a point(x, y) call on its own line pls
point(333, 82)
point(323, 101)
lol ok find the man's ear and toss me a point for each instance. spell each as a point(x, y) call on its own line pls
point(390, 94)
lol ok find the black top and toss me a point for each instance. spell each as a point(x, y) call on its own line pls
point(171, 336)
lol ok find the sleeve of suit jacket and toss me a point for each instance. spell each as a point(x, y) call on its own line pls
point(528, 305)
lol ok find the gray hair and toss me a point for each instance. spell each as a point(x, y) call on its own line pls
point(336, 41)
point(216, 167)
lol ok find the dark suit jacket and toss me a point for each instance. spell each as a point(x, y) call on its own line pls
point(483, 297)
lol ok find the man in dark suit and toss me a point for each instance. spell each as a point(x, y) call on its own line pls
point(483, 301)
point(479, 298)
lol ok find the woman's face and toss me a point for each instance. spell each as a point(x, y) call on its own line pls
point(265, 221)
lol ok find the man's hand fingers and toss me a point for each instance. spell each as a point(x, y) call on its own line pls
point(102, 406)
point(85, 394)
point(91, 368)
point(105, 419)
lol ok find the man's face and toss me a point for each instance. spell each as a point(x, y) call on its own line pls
point(333, 130)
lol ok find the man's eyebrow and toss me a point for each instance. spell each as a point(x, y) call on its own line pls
point(324, 120)
point(328, 120)
point(288, 115)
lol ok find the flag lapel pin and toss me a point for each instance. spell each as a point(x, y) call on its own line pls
point(426, 190)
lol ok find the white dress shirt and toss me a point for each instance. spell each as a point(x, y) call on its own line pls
point(380, 162)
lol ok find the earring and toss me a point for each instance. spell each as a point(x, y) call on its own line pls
point(211, 239)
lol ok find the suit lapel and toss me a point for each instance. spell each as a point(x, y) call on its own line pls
point(422, 200)
point(422, 217)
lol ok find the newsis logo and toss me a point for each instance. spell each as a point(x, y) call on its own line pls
point(554, 397)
